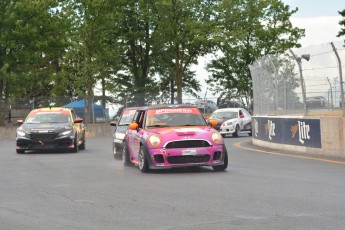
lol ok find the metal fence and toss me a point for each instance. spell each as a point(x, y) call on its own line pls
point(300, 82)
point(16, 109)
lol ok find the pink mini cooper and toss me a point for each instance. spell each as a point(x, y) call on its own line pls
point(167, 136)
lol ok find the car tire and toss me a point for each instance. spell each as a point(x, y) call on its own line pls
point(225, 165)
point(75, 143)
point(143, 164)
point(20, 151)
point(117, 154)
point(125, 155)
point(235, 134)
point(82, 146)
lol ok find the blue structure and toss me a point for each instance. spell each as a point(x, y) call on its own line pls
point(98, 111)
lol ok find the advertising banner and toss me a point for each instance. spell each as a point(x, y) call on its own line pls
point(290, 131)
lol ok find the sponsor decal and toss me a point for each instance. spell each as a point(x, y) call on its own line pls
point(303, 130)
point(177, 110)
point(128, 112)
point(270, 129)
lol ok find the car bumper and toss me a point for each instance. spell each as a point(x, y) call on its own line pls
point(227, 129)
point(172, 158)
point(24, 143)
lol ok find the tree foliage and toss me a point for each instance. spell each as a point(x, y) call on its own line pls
point(139, 50)
point(342, 23)
point(250, 30)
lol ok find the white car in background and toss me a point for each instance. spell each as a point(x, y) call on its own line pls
point(232, 121)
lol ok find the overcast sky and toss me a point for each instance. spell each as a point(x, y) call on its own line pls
point(319, 18)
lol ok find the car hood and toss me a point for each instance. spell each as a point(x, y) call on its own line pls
point(183, 133)
point(45, 127)
point(221, 120)
point(230, 120)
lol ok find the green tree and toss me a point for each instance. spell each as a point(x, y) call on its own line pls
point(90, 57)
point(342, 23)
point(250, 30)
point(32, 41)
point(186, 29)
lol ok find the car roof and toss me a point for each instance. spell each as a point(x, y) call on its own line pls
point(165, 106)
point(229, 110)
point(52, 109)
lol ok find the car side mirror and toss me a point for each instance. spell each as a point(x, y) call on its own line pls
point(19, 122)
point(113, 123)
point(212, 122)
point(133, 126)
point(78, 120)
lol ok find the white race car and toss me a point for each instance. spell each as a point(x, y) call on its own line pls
point(232, 121)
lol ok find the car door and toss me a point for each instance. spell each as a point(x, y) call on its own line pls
point(78, 127)
point(247, 119)
point(134, 136)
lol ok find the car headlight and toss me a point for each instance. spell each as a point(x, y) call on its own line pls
point(227, 123)
point(21, 133)
point(66, 133)
point(216, 137)
point(154, 140)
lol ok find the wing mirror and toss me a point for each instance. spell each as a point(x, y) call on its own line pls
point(133, 126)
point(19, 122)
point(212, 122)
point(78, 120)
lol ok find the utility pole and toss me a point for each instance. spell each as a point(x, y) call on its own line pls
point(330, 86)
point(341, 79)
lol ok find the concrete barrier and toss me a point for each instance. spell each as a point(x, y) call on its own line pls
point(331, 136)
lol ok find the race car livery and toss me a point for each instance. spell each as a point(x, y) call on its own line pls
point(170, 136)
point(50, 128)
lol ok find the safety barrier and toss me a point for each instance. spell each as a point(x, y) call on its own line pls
point(323, 136)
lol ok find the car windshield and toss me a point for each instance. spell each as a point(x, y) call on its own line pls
point(127, 117)
point(48, 118)
point(224, 115)
point(174, 117)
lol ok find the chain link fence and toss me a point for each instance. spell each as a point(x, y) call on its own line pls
point(16, 109)
point(302, 82)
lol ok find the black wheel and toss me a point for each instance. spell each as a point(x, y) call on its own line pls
point(225, 165)
point(235, 134)
point(20, 151)
point(75, 143)
point(116, 152)
point(143, 165)
point(82, 146)
point(125, 155)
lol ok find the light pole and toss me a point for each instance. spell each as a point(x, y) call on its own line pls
point(341, 79)
point(330, 86)
point(299, 62)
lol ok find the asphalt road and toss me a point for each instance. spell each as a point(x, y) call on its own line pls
point(92, 190)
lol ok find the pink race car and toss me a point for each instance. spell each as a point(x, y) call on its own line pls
point(167, 136)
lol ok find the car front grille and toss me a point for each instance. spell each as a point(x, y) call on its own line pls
point(42, 136)
point(188, 144)
point(188, 159)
